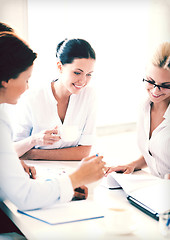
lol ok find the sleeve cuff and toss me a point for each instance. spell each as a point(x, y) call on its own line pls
point(87, 140)
point(66, 189)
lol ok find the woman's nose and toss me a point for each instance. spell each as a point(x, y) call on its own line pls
point(156, 89)
point(82, 79)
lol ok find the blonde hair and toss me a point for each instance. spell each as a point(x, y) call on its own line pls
point(161, 57)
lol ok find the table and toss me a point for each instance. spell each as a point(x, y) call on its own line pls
point(147, 228)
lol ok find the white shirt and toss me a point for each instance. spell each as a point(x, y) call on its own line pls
point(38, 111)
point(159, 143)
point(15, 183)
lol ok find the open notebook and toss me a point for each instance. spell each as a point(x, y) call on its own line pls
point(146, 192)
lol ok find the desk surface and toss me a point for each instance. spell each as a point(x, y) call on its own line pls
point(147, 228)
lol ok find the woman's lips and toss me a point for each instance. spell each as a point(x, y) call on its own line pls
point(79, 86)
point(156, 96)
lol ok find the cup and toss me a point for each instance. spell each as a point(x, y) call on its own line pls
point(69, 133)
point(119, 220)
point(164, 223)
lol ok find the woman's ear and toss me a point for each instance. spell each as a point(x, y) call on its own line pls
point(4, 84)
point(59, 66)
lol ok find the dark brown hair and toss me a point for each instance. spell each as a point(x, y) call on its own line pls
point(15, 56)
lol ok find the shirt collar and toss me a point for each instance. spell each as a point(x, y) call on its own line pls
point(167, 113)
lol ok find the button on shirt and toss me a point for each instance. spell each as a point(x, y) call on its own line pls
point(155, 150)
point(38, 111)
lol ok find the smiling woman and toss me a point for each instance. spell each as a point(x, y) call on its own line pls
point(67, 102)
point(154, 119)
point(16, 60)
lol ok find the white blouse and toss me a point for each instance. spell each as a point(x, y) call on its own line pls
point(38, 111)
point(155, 150)
point(15, 183)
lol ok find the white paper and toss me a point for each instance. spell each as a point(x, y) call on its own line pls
point(155, 196)
point(48, 171)
point(67, 212)
point(134, 181)
point(110, 182)
point(149, 190)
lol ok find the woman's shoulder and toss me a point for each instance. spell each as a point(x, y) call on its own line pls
point(3, 113)
point(4, 117)
point(36, 92)
point(145, 103)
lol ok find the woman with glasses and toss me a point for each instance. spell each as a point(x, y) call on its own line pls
point(66, 101)
point(154, 119)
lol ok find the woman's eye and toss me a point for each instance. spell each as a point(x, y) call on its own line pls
point(151, 82)
point(77, 73)
point(165, 86)
point(89, 75)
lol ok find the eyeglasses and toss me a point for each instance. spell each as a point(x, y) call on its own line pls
point(156, 85)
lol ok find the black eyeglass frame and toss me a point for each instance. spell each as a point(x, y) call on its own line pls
point(156, 85)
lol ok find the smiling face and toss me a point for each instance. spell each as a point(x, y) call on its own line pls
point(13, 89)
point(76, 75)
point(160, 77)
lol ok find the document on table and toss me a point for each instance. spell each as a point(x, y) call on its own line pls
point(145, 191)
point(67, 212)
point(48, 171)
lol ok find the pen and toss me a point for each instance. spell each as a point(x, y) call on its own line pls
point(97, 154)
point(30, 173)
point(168, 222)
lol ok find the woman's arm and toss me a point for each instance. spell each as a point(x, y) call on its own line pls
point(71, 153)
point(129, 168)
point(23, 146)
point(47, 137)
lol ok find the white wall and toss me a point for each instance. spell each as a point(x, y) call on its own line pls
point(15, 14)
point(117, 30)
point(122, 32)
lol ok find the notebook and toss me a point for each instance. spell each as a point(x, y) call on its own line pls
point(153, 199)
point(62, 213)
point(146, 192)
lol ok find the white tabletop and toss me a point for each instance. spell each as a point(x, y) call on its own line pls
point(146, 227)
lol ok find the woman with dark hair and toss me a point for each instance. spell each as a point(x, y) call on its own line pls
point(16, 63)
point(65, 101)
point(6, 28)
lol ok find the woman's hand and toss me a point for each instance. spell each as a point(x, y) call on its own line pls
point(47, 137)
point(29, 169)
point(129, 168)
point(90, 170)
point(80, 193)
point(126, 169)
point(43, 138)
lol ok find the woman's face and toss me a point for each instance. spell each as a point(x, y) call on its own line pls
point(77, 74)
point(160, 77)
point(15, 87)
